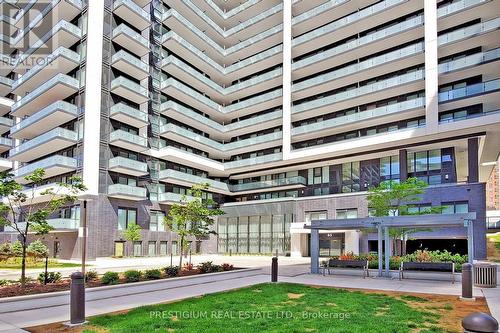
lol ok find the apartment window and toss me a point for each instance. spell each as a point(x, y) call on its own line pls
point(126, 216)
point(151, 248)
point(346, 213)
point(389, 168)
point(318, 175)
point(350, 177)
point(72, 213)
point(137, 248)
point(419, 209)
point(319, 215)
point(127, 181)
point(425, 165)
point(163, 248)
point(156, 221)
point(321, 191)
point(458, 207)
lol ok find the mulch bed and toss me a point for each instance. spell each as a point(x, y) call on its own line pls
point(33, 288)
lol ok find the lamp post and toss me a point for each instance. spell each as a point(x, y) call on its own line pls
point(83, 228)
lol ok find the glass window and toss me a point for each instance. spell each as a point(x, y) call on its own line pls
point(347, 213)
point(435, 159)
point(163, 248)
point(319, 215)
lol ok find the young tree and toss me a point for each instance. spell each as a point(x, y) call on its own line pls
point(19, 210)
point(132, 233)
point(391, 198)
point(192, 217)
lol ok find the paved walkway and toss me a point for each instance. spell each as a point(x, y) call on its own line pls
point(44, 309)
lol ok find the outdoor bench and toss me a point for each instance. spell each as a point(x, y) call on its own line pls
point(356, 264)
point(427, 267)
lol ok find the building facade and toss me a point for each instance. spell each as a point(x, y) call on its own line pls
point(290, 110)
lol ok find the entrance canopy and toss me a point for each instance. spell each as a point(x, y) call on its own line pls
point(382, 224)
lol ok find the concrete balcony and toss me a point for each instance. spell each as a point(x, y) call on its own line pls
point(481, 63)
point(5, 105)
point(5, 124)
point(458, 12)
point(128, 115)
point(127, 63)
point(189, 75)
point(390, 113)
point(59, 224)
point(45, 144)
point(220, 74)
point(5, 85)
point(360, 20)
point(127, 166)
point(5, 164)
point(5, 144)
point(217, 130)
point(184, 179)
point(388, 62)
point(63, 9)
point(249, 163)
point(128, 141)
point(217, 149)
point(61, 60)
point(130, 40)
point(131, 13)
point(270, 185)
point(50, 117)
point(39, 194)
point(63, 34)
point(53, 166)
point(57, 88)
point(485, 92)
point(130, 90)
point(127, 192)
point(170, 198)
point(393, 86)
point(375, 42)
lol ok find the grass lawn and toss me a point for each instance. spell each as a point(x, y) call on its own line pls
point(15, 263)
point(493, 245)
point(287, 307)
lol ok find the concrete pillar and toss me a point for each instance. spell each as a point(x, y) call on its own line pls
point(352, 241)
point(380, 250)
point(403, 165)
point(387, 251)
point(314, 251)
point(287, 78)
point(473, 160)
point(295, 245)
point(431, 66)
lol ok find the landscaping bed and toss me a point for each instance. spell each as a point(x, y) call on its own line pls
point(285, 307)
point(56, 283)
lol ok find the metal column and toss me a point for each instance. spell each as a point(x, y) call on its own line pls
point(314, 251)
point(380, 250)
point(387, 251)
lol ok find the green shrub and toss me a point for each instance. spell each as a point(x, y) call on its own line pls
point(209, 267)
point(52, 277)
point(132, 275)
point(227, 267)
point(110, 278)
point(152, 274)
point(38, 249)
point(17, 248)
point(171, 270)
point(90, 275)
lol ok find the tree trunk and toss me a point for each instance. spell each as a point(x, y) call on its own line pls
point(181, 250)
point(23, 263)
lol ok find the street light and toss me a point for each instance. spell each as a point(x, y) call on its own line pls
point(82, 232)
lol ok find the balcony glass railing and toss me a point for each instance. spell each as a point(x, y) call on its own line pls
point(130, 33)
point(59, 52)
point(56, 133)
point(317, 11)
point(127, 190)
point(58, 79)
point(121, 108)
point(346, 20)
point(363, 115)
point(54, 107)
point(56, 223)
point(6, 81)
point(468, 32)
point(357, 92)
point(122, 82)
point(469, 91)
point(127, 163)
point(133, 7)
point(253, 161)
point(248, 103)
point(458, 6)
point(6, 121)
point(130, 59)
point(46, 163)
point(298, 180)
point(6, 142)
point(192, 179)
point(469, 60)
point(392, 30)
point(121, 135)
point(414, 49)
point(452, 118)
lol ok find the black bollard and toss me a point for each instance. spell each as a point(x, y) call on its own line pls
point(77, 298)
point(274, 269)
point(467, 282)
point(479, 322)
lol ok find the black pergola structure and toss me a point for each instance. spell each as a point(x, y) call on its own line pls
point(383, 224)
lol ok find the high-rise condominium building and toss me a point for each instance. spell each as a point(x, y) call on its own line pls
point(290, 110)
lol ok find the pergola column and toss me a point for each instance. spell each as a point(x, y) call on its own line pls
point(314, 251)
point(387, 250)
point(473, 160)
point(380, 249)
